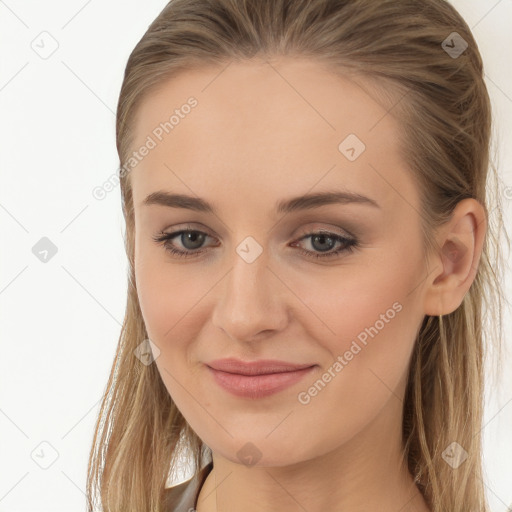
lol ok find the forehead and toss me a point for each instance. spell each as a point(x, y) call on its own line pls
point(257, 127)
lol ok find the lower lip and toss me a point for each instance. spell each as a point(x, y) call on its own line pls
point(257, 386)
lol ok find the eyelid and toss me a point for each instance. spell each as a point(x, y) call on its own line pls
point(327, 231)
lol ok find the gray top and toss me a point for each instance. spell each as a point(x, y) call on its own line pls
point(183, 497)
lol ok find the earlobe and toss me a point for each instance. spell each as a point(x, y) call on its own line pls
point(461, 242)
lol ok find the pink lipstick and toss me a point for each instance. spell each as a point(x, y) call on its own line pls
point(256, 379)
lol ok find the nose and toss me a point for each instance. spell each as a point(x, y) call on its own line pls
point(251, 301)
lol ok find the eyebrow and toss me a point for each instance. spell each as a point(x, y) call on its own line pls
point(304, 202)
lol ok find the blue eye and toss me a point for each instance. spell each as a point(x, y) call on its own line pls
point(165, 240)
point(198, 237)
point(347, 244)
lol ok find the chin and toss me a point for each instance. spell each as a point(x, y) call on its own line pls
point(264, 453)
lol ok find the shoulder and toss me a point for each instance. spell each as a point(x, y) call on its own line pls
point(183, 497)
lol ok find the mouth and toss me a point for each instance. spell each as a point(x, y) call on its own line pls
point(260, 382)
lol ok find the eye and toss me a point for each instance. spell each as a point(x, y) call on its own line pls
point(318, 239)
point(192, 240)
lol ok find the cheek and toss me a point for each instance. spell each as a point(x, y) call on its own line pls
point(173, 305)
point(369, 316)
point(166, 298)
point(374, 317)
point(167, 303)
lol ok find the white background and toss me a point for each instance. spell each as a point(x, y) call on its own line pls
point(60, 320)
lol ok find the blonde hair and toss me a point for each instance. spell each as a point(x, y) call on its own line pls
point(444, 112)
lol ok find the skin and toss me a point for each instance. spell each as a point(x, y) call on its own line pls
point(263, 132)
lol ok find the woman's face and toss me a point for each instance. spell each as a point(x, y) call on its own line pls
point(246, 139)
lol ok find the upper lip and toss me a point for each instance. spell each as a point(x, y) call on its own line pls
point(260, 367)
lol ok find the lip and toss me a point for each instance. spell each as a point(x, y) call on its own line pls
point(256, 379)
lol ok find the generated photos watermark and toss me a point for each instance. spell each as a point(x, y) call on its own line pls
point(304, 397)
point(157, 135)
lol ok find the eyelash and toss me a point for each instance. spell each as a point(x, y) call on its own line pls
point(350, 244)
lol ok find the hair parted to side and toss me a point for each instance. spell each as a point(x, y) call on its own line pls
point(444, 112)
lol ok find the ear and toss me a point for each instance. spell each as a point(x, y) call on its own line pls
point(461, 241)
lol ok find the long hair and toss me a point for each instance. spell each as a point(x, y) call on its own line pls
point(442, 105)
